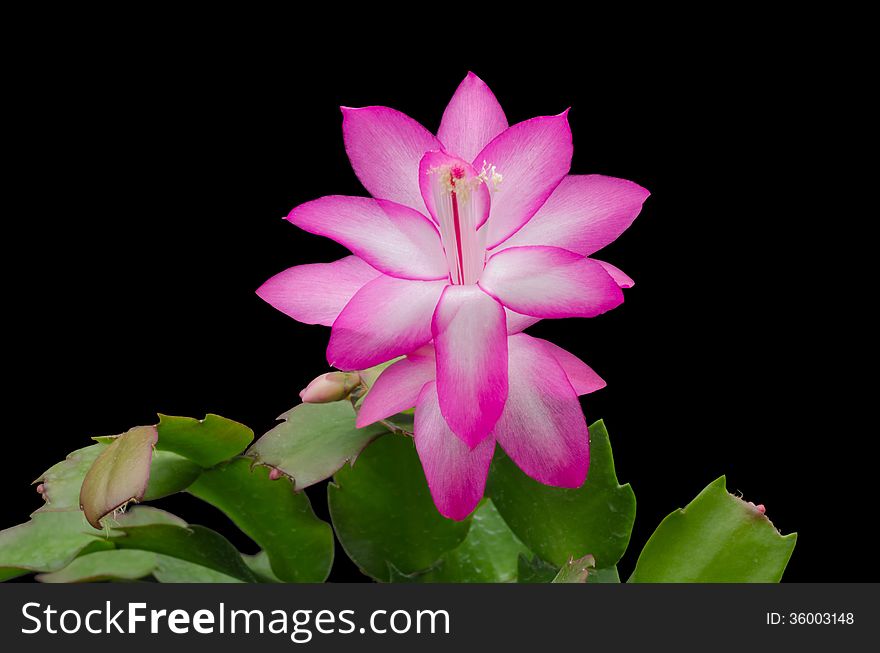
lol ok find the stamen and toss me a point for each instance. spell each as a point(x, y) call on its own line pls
point(456, 205)
point(457, 223)
point(490, 176)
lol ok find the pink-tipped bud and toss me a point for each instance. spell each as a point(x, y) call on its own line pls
point(274, 474)
point(333, 386)
point(41, 488)
point(760, 509)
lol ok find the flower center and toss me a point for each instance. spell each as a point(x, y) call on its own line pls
point(460, 206)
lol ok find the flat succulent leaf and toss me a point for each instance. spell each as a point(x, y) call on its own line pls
point(576, 571)
point(97, 545)
point(194, 544)
point(716, 538)
point(134, 564)
point(489, 554)
point(397, 576)
point(104, 565)
point(313, 441)
point(205, 442)
point(298, 544)
point(169, 569)
point(131, 564)
point(119, 474)
point(53, 539)
point(142, 516)
point(607, 575)
point(531, 569)
point(558, 524)
point(8, 573)
point(48, 542)
point(535, 570)
point(120, 467)
point(62, 482)
point(170, 473)
point(383, 513)
point(260, 565)
point(128, 565)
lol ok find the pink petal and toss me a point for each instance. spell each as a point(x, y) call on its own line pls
point(438, 159)
point(316, 293)
point(391, 237)
point(456, 473)
point(470, 338)
point(543, 428)
point(533, 157)
point(425, 352)
point(581, 376)
point(388, 317)
point(472, 118)
point(385, 147)
point(584, 214)
point(396, 389)
point(620, 277)
point(550, 282)
point(517, 322)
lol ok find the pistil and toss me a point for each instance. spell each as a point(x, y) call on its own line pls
point(458, 207)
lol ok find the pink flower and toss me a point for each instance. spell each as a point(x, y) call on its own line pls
point(541, 426)
point(471, 235)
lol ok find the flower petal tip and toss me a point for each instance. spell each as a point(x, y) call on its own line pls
point(471, 437)
point(573, 482)
point(475, 441)
point(473, 77)
point(457, 514)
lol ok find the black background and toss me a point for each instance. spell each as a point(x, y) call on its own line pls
point(150, 180)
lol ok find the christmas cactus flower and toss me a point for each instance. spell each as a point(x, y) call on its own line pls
point(541, 428)
point(494, 476)
point(470, 236)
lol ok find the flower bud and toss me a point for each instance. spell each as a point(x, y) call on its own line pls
point(333, 386)
point(757, 508)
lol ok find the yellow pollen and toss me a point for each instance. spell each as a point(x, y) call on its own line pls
point(452, 182)
point(488, 174)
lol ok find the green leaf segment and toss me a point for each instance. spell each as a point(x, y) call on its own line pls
point(716, 538)
point(88, 528)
